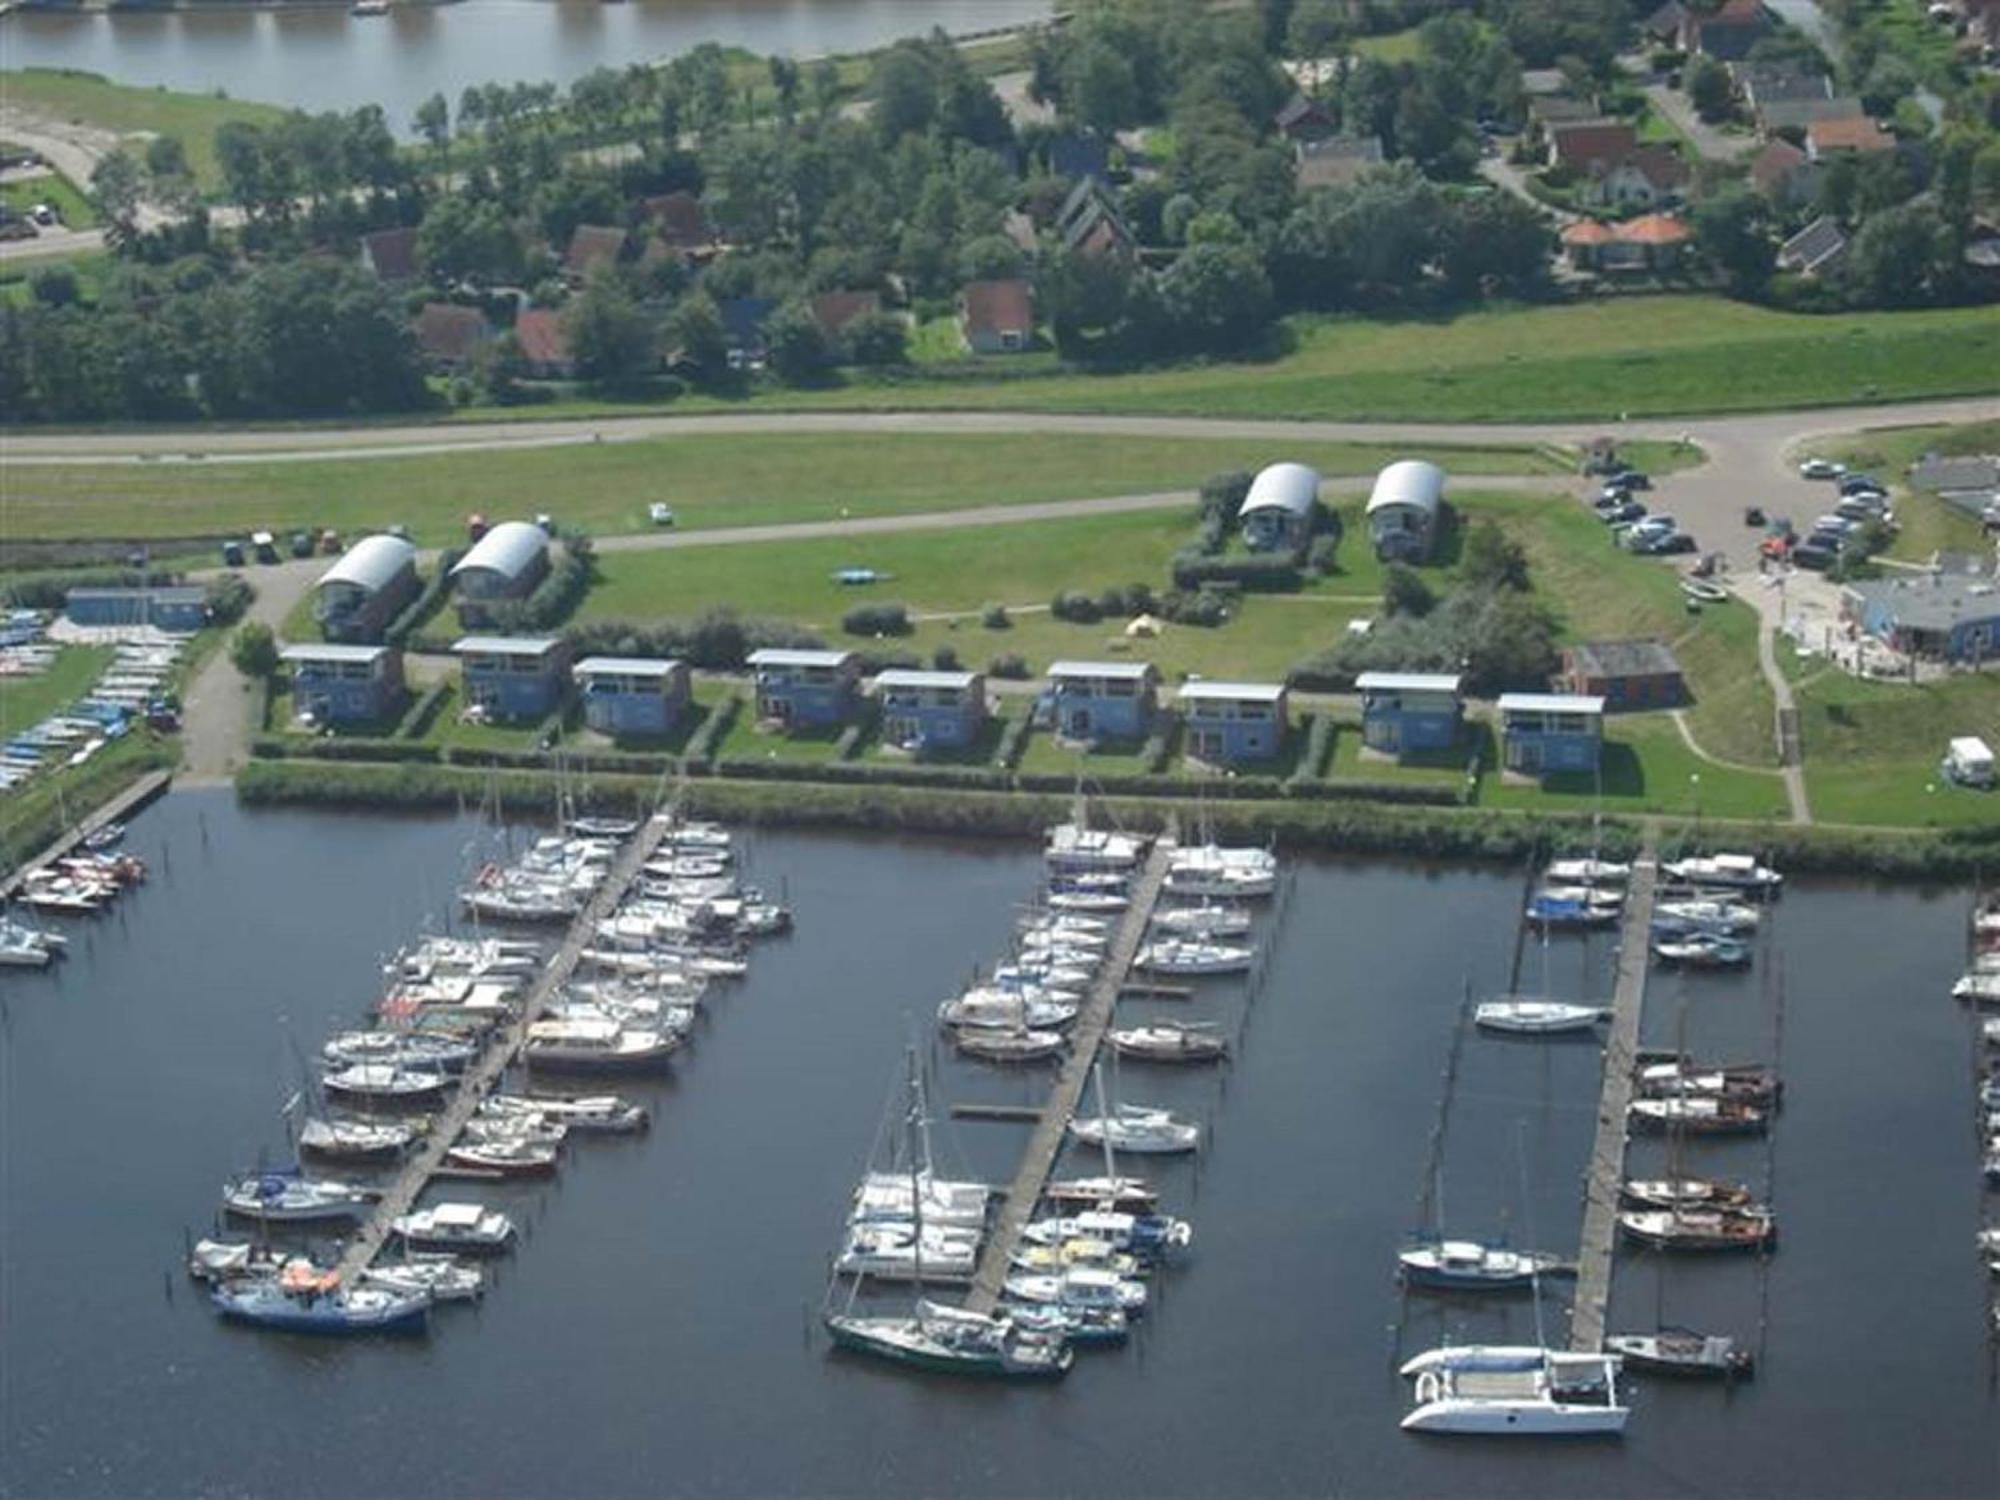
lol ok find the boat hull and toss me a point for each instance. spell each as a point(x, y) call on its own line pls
point(1515, 1419)
point(859, 1339)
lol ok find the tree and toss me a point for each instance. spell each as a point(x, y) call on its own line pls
point(1708, 89)
point(53, 286)
point(876, 339)
point(697, 339)
point(1405, 593)
point(1222, 495)
point(1099, 89)
point(114, 186)
point(1495, 242)
point(797, 346)
point(1217, 299)
point(990, 257)
point(255, 651)
point(433, 122)
point(166, 157)
point(785, 79)
point(1493, 560)
point(1902, 257)
point(905, 93)
point(1732, 230)
point(611, 337)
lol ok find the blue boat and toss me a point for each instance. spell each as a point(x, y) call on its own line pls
point(1561, 911)
point(305, 1300)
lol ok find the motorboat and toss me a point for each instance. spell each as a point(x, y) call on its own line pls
point(1589, 895)
point(954, 1341)
point(504, 1156)
point(603, 828)
point(289, 1197)
point(1980, 986)
point(426, 1050)
point(1536, 1017)
point(1080, 1286)
point(1138, 1130)
point(1737, 871)
point(1554, 912)
point(1591, 871)
point(1697, 1114)
point(386, 1083)
point(697, 836)
point(1045, 972)
point(1169, 1042)
point(991, 1044)
point(1129, 1194)
point(1699, 1229)
point(1684, 1193)
point(460, 1228)
point(596, 1045)
point(357, 1140)
point(1072, 927)
point(1700, 950)
point(442, 1278)
point(1148, 1236)
point(1700, 1356)
point(1206, 919)
point(24, 947)
point(219, 1260)
point(1080, 1325)
point(896, 1250)
point(1179, 955)
point(1503, 1391)
point(1076, 846)
point(1226, 881)
point(599, 1114)
point(315, 1302)
point(1070, 899)
point(1466, 1266)
point(1706, 913)
point(1751, 1085)
point(894, 1196)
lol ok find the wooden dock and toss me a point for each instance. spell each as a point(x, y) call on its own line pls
point(1606, 1173)
point(1052, 1123)
point(134, 797)
point(484, 1075)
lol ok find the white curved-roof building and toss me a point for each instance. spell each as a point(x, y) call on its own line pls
point(370, 564)
point(1403, 509)
point(511, 550)
point(1278, 510)
point(366, 588)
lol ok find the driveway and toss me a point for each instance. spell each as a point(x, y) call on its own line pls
point(1714, 144)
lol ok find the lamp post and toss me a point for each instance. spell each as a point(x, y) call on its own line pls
point(1694, 782)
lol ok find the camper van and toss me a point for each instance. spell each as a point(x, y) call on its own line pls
point(1969, 762)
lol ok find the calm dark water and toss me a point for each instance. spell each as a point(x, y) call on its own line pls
point(654, 1334)
point(321, 57)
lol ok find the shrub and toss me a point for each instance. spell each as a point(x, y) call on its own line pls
point(1207, 606)
point(417, 722)
point(877, 620)
point(1278, 574)
point(255, 651)
point(1319, 730)
point(945, 659)
point(701, 744)
point(1013, 740)
point(1319, 553)
point(1159, 744)
point(1010, 665)
point(995, 617)
point(1222, 495)
point(428, 599)
point(1079, 609)
point(228, 597)
point(1405, 593)
point(717, 640)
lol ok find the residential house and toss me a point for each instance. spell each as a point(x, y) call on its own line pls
point(1727, 33)
point(1234, 723)
point(544, 343)
point(1548, 111)
point(1763, 83)
point(449, 335)
point(743, 324)
point(1403, 510)
point(1643, 177)
point(1277, 513)
point(1589, 148)
point(1781, 172)
point(1336, 161)
point(1078, 155)
point(1104, 700)
point(1940, 474)
point(335, 684)
point(1088, 223)
point(504, 566)
point(592, 247)
point(805, 689)
point(1853, 136)
point(1625, 674)
point(1815, 249)
point(177, 609)
point(1402, 712)
point(390, 255)
point(1305, 119)
point(632, 695)
point(996, 317)
point(679, 222)
point(513, 677)
point(1663, 26)
point(833, 311)
point(927, 711)
point(374, 581)
point(1546, 733)
point(1934, 616)
point(1649, 243)
point(1793, 117)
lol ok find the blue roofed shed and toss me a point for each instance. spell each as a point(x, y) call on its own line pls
point(931, 710)
point(176, 609)
point(632, 695)
point(513, 677)
point(1543, 733)
point(345, 684)
point(1230, 723)
point(804, 689)
point(1409, 711)
point(1098, 700)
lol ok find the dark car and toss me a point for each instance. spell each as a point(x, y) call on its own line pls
point(302, 544)
point(1853, 484)
point(1814, 555)
point(1672, 542)
point(1631, 510)
point(232, 554)
point(1628, 479)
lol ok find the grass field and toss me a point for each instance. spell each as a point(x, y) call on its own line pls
point(1929, 525)
point(89, 99)
point(57, 190)
point(26, 701)
point(1647, 767)
point(709, 479)
point(1872, 749)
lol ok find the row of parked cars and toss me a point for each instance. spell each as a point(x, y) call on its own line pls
point(1633, 527)
point(1862, 500)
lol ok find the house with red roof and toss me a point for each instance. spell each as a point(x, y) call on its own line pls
point(1649, 243)
point(544, 344)
point(996, 317)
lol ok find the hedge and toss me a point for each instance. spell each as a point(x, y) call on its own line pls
point(417, 722)
point(877, 620)
point(1153, 754)
point(1013, 740)
point(419, 610)
point(1311, 765)
point(1252, 574)
point(326, 747)
point(701, 744)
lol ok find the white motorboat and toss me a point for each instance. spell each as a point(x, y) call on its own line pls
point(386, 1083)
point(1148, 1236)
point(1722, 916)
point(1466, 1266)
point(1076, 846)
point(1194, 956)
point(218, 1260)
point(1514, 1391)
point(1737, 871)
point(996, 1045)
point(25, 947)
point(1170, 1042)
point(1046, 973)
point(1685, 1192)
point(1081, 929)
point(506, 1155)
point(893, 1196)
point(287, 1197)
point(1207, 919)
point(1536, 1017)
point(1589, 871)
point(895, 1250)
point(461, 1228)
point(1080, 1286)
point(1070, 900)
point(1597, 897)
point(598, 1114)
point(356, 1140)
point(596, 1044)
point(439, 1277)
point(1097, 1255)
point(1980, 986)
point(1138, 1130)
point(1106, 1194)
point(1239, 882)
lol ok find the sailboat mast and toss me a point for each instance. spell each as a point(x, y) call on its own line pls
point(1104, 1118)
point(912, 1125)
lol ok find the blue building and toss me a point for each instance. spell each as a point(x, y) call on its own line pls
point(513, 677)
point(1405, 711)
point(1936, 616)
point(931, 710)
point(1104, 700)
point(806, 689)
point(1543, 733)
point(632, 694)
point(374, 581)
point(179, 610)
point(1231, 723)
point(345, 684)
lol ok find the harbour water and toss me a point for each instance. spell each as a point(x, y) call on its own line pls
point(318, 57)
point(655, 1332)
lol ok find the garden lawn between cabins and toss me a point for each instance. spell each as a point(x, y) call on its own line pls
point(1927, 525)
point(91, 99)
point(1872, 749)
point(709, 480)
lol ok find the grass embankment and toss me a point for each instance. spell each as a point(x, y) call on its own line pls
point(1928, 525)
point(32, 815)
point(1872, 749)
point(1589, 361)
point(79, 98)
point(26, 701)
point(56, 190)
point(710, 480)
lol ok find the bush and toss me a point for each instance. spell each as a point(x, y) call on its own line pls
point(995, 617)
point(1319, 728)
point(1013, 740)
point(1222, 495)
point(1405, 593)
point(228, 597)
point(1319, 553)
point(1207, 607)
point(877, 620)
point(1078, 609)
point(255, 651)
point(417, 722)
point(428, 599)
point(716, 641)
point(1251, 574)
point(1009, 665)
point(945, 659)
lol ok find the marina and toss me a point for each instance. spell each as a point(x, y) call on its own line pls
point(132, 1109)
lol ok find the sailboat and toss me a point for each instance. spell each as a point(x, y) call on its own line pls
point(932, 1336)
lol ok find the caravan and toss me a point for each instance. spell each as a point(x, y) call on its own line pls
point(1969, 762)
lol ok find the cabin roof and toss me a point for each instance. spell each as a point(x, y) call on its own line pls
point(1407, 682)
point(1551, 703)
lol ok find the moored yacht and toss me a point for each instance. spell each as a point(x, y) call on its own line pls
point(1466, 1266)
point(1519, 1391)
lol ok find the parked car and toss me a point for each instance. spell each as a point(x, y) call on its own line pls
point(659, 514)
point(1815, 556)
point(45, 215)
point(232, 554)
point(1753, 515)
point(1672, 543)
point(1628, 479)
point(1855, 483)
point(264, 546)
point(1861, 509)
point(1620, 515)
point(302, 544)
point(1834, 525)
point(1821, 468)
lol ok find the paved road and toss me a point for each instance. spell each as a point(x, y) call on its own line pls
point(1710, 142)
point(215, 717)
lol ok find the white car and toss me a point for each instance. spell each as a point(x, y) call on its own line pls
point(659, 514)
point(1821, 468)
point(1836, 526)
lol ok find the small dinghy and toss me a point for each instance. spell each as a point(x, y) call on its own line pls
point(1466, 1266)
point(1536, 1017)
point(1170, 1042)
point(1697, 1356)
point(1009, 1046)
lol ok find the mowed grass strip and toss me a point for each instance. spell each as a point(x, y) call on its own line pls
point(91, 99)
point(709, 480)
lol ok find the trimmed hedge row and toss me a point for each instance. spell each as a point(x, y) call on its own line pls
point(1320, 730)
point(1277, 574)
point(417, 722)
point(419, 610)
point(701, 744)
point(321, 747)
point(1013, 740)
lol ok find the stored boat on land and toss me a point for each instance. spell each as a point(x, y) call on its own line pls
point(1701, 1356)
point(1536, 1017)
point(1517, 1391)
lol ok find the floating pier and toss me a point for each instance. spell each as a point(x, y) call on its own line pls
point(1607, 1152)
point(479, 1080)
point(134, 797)
point(1052, 1121)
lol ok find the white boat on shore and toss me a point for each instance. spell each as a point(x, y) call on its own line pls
point(1536, 1017)
point(1514, 1391)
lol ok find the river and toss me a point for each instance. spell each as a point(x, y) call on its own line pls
point(654, 1333)
point(319, 57)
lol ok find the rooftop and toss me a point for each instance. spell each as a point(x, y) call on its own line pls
point(909, 677)
point(1287, 487)
point(505, 645)
point(786, 656)
point(1407, 682)
point(593, 245)
point(392, 253)
point(1933, 602)
point(1851, 133)
point(998, 306)
point(509, 548)
point(629, 666)
point(1120, 671)
point(316, 651)
point(371, 562)
point(171, 594)
point(543, 340)
point(1641, 658)
point(1550, 703)
point(1232, 692)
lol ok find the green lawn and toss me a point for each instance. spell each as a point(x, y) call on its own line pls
point(283, 719)
point(749, 740)
point(1647, 768)
point(1928, 524)
point(89, 269)
point(1046, 756)
point(1435, 768)
point(709, 479)
point(89, 99)
point(1872, 749)
point(57, 190)
point(1390, 46)
point(26, 701)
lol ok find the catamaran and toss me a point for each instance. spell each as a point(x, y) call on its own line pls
point(1514, 1391)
